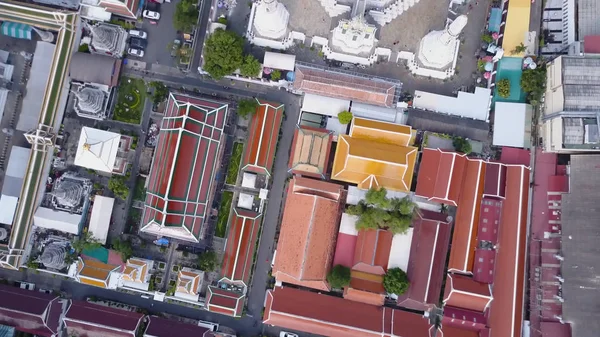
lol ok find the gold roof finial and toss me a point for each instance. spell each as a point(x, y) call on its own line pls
point(86, 146)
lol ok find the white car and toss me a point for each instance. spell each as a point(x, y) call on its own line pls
point(135, 52)
point(287, 334)
point(138, 33)
point(151, 15)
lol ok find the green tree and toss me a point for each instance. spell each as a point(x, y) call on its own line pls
point(345, 117)
point(275, 75)
point(247, 107)
point(339, 276)
point(85, 241)
point(395, 281)
point(503, 88)
point(161, 92)
point(207, 261)
point(487, 38)
point(223, 53)
point(379, 211)
point(519, 49)
point(117, 185)
point(533, 82)
point(185, 16)
point(250, 67)
point(462, 145)
point(123, 247)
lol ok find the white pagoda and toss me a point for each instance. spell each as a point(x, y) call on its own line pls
point(271, 19)
point(97, 150)
point(438, 48)
point(91, 102)
point(108, 39)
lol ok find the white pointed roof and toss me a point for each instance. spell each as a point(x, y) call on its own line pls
point(97, 149)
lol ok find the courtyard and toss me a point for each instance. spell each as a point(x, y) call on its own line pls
point(130, 100)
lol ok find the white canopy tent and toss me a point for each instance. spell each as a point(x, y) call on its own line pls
point(279, 61)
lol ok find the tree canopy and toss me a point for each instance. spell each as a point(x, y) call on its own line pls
point(379, 211)
point(85, 241)
point(123, 247)
point(503, 88)
point(395, 281)
point(533, 82)
point(250, 67)
point(339, 276)
point(247, 107)
point(223, 53)
point(117, 185)
point(462, 145)
point(160, 91)
point(207, 261)
point(345, 117)
point(275, 75)
point(185, 16)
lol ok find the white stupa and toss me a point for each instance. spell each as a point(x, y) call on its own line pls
point(271, 19)
point(355, 36)
point(438, 49)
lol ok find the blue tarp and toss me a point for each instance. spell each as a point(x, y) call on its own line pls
point(495, 20)
point(16, 30)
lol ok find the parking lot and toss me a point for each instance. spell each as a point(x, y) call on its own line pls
point(160, 35)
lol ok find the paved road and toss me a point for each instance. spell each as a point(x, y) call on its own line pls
point(160, 36)
point(205, 12)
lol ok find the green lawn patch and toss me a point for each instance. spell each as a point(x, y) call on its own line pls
point(130, 100)
point(234, 163)
point(140, 192)
point(223, 216)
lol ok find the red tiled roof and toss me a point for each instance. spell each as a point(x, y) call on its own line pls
point(591, 44)
point(309, 154)
point(464, 292)
point(26, 310)
point(467, 216)
point(364, 296)
point(495, 180)
point(373, 250)
point(506, 312)
point(340, 85)
point(344, 249)
point(489, 220)
point(326, 315)
point(241, 243)
point(483, 270)
point(463, 318)
point(160, 327)
point(91, 320)
point(453, 331)
point(308, 229)
point(264, 133)
point(184, 167)
point(515, 156)
point(558, 183)
point(440, 175)
point(224, 302)
point(428, 252)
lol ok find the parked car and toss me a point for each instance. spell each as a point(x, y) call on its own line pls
point(151, 15)
point(138, 33)
point(175, 47)
point(45, 291)
point(138, 43)
point(27, 285)
point(287, 334)
point(135, 52)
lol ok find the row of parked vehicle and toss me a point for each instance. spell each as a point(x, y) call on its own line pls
point(138, 41)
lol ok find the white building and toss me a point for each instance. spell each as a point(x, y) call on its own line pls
point(55, 219)
point(512, 124)
point(108, 39)
point(468, 105)
point(571, 110)
point(100, 218)
point(99, 150)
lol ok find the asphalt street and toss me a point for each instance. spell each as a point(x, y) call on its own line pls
point(160, 36)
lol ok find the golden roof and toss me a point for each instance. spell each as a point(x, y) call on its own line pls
point(375, 154)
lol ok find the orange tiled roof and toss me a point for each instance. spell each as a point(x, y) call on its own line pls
point(310, 151)
point(464, 292)
point(188, 282)
point(94, 272)
point(375, 154)
point(308, 229)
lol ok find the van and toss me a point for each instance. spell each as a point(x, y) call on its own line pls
point(138, 33)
